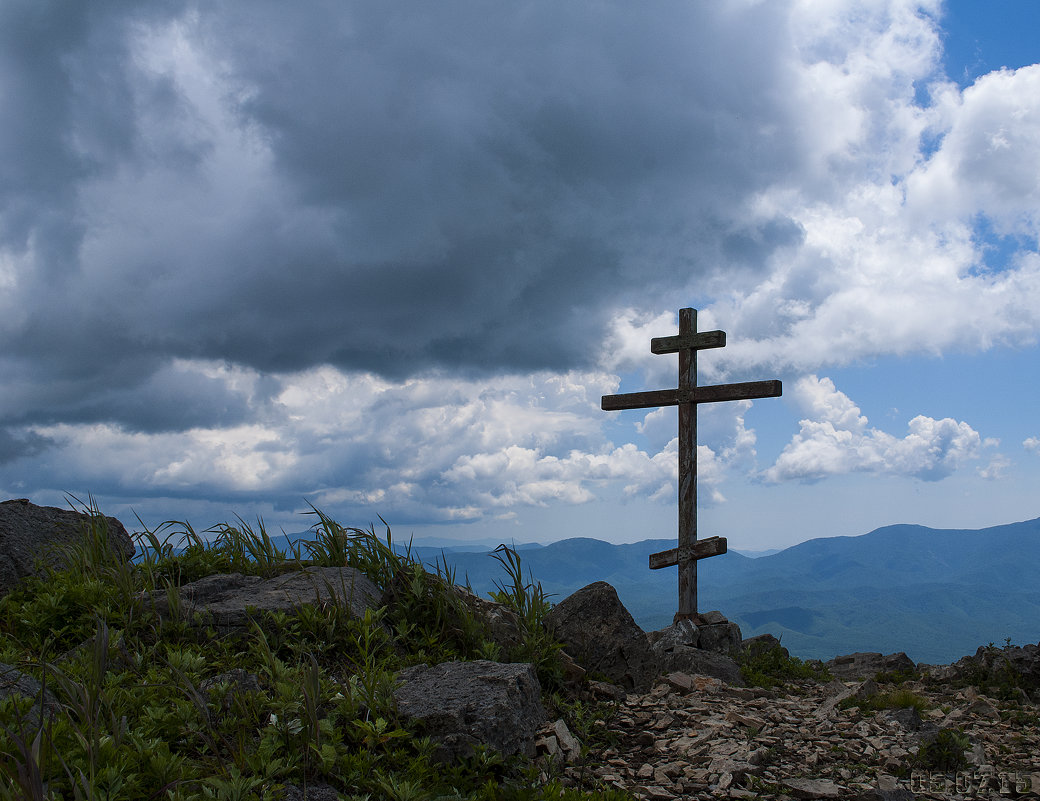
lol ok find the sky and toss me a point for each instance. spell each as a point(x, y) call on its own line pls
point(383, 260)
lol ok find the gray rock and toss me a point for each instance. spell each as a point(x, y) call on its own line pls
point(711, 632)
point(891, 794)
point(464, 704)
point(14, 683)
point(30, 534)
point(671, 654)
point(763, 643)
point(602, 636)
point(907, 718)
point(235, 682)
point(682, 633)
point(313, 792)
point(813, 788)
point(722, 638)
point(838, 692)
point(225, 600)
point(502, 623)
point(864, 665)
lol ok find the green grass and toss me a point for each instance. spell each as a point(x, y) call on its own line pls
point(900, 698)
point(157, 708)
point(772, 667)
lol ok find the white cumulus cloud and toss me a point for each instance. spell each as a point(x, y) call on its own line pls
point(837, 439)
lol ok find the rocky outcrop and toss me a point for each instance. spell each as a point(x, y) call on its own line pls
point(30, 534)
point(676, 649)
point(864, 665)
point(228, 600)
point(465, 704)
point(600, 633)
point(761, 644)
point(1013, 667)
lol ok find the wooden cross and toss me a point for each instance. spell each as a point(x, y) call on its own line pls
point(686, 397)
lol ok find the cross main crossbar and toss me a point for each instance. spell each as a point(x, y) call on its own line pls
point(686, 396)
point(748, 390)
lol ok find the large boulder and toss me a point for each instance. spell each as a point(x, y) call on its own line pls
point(465, 704)
point(762, 644)
point(867, 664)
point(31, 534)
point(677, 648)
point(600, 633)
point(711, 631)
point(716, 633)
point(227, 600)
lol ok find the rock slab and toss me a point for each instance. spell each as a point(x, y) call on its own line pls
point(867, 664)
point(226, 599)
point(30, 533)
point(466, 704)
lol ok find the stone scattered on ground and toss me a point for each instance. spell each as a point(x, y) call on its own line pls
point(30, 533)
point(695, 737)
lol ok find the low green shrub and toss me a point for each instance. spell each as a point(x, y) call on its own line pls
point(945, 752)
point(771, 667)
point(900, 698)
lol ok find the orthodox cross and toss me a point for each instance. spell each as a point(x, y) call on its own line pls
point(686, 397)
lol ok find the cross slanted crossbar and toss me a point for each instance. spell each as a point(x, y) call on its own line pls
point(686, 396)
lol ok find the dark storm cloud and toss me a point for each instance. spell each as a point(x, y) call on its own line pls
point(18, 445)
point(414, 187)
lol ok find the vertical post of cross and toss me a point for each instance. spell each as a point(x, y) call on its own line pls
point(687, 469)
point(686, 396)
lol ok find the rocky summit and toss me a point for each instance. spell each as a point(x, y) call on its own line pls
point(695, 737)
point(691, 711)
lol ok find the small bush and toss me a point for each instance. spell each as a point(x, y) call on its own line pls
point(945, 752)
point(768, 668)
point(897, 699)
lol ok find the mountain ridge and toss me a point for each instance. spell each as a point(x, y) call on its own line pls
point(933, 593)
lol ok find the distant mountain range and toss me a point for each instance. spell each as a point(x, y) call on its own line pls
point(935, 594)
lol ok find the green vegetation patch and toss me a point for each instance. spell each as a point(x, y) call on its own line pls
point(945, 752)
point(771, 667)
point(142, 706)
point(900, 698)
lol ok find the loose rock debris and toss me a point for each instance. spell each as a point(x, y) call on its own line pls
point(694, 737)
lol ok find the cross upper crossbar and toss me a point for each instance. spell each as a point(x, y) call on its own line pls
point(701, 341)
point(686, 396)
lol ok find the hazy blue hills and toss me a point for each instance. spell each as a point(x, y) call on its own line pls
point(936, 594)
